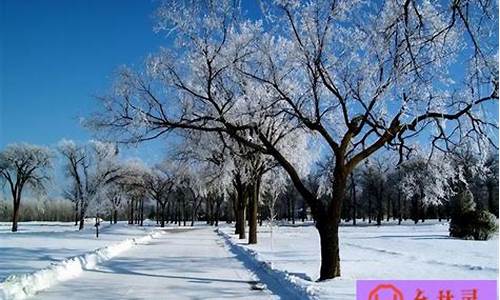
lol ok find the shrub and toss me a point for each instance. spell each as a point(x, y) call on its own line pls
point(473, 225)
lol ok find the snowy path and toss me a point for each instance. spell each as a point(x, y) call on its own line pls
point(181, 264)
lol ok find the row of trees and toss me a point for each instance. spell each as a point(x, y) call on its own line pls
point(260, 100)
point(328, 80)
point(38, 209)
point(421, 188)
point(180, 191)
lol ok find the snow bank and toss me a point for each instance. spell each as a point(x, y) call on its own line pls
point(22, 286)
point(292, 286)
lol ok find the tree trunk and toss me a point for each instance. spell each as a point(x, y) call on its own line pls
point(168, 217)
point(158, 213)
point(253, 200)
point(76, 212)
point(234, 201)
point(193, 213)
point(115, 216)
point(329, 241)
point(15, 214)
point(131, 213)
point(97, 223)
point(388, 208)
point(240, 223)
point(240, 211)
point(400, 213)
point(354, 201)
point(82, 216)
point(142, 212)
point(369, 210)
point(162, 224)
point(217, 212)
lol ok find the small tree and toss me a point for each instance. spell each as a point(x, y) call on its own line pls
point(24, 165)
point(469, 223)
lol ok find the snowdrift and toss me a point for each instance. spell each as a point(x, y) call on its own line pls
point(278, 281)
point(22, 286)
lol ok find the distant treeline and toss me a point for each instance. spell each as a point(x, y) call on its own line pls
point(47, 209)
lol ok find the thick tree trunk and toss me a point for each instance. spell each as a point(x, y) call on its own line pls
point(253, 201)
point(328, 228)
point(241, 220)
point(15, 214)
point(240, 211)
point(82, 216)
point(329, 241)
point(115, 216)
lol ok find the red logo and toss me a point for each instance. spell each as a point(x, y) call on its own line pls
point(389, 291)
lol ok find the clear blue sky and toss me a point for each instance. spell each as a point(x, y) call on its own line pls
point(56, 55)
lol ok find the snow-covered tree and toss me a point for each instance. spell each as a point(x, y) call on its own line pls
point(428, 182)
point(160, 183)
point(21, 166)
point(90, 167)
point(358, 75)
point(373, 181)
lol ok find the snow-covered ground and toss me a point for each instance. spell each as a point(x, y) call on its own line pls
point(39, 244)
point(422, 251)
point(183, 263)
point(198, 263)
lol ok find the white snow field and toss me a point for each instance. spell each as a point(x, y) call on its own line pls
point(39, 244)
point(391, 251)
point(203, 263)
point(183, 263)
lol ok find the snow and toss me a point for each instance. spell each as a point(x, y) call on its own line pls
point(22, 286)
point(422, 251)
point(183, 263)
point(39, 244)
point(52, 260)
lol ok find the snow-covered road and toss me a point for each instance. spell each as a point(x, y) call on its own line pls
point(180, 264)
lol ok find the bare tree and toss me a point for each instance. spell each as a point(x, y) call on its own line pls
point(24, 165)
point(90, 168)
point(159, 183)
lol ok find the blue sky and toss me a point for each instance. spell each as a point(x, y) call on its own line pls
point(56, 55)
